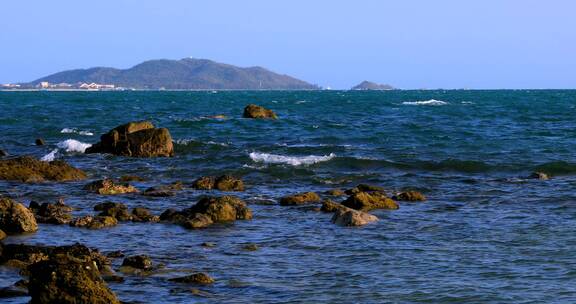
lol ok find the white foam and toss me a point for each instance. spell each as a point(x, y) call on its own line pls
point(289, 160)
point(72, 130)
point(50, 156)
point(431, 102)
point(72, 145)
point(301, 101)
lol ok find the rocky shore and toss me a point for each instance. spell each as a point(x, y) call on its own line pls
point(77, 274)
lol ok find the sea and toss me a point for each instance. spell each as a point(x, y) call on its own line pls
point(488, 233)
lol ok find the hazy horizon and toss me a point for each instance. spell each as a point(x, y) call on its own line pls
point(411, 45)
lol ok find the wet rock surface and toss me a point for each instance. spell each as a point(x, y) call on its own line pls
point(94, 222)
point(135, 139)
point(222, 183)
point(142, 262)
point(349, 217)
point(57, 213)
point(410, 196)
point(365, 201)
point(109, 187)
point(300, 199)
point(195, 278)
point(30, 169)
point(15, 217)
point(255, 111)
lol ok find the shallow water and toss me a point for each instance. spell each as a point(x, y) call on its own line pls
point(486, 234)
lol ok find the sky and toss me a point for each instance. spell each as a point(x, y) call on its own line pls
point(411, 44)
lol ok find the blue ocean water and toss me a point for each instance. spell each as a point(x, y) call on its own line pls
point(486, 234)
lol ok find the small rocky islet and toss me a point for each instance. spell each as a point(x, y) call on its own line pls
point(78, 274)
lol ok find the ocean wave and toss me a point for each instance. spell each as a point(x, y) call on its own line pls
point(289, 160)
point(72, 130)
point(431, 102)
point(50, 156)
point(72, 145)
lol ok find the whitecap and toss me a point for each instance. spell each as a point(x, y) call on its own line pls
point(289, 160)
point(431, 102)
point(72, 145)
point(50, 156)
point(301, 101)
point(72, 130)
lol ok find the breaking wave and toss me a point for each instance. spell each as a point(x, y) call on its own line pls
point(431, 102)
point(289, 160)
point(50, 156)
point(72, 130)
point(72, 145)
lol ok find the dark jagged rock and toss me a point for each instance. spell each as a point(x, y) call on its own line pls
point(15, 217)
point(40, 142)
point(68, 279)
point(142, 261)
point(195, 278)
point(109, 187)
point(57, 213)
point(30, 169)
point(365, 201)
point(3, 153)
point(365, 188)
point(118, 211)
point(2, 234)
point(140, 214)
point(222, 183)
point(207, 210)
point(349, 217)
point(300, 199)
point(410, 196)
point(12, 292)
point(135, 139)
point(94, 222)
point(254, 111)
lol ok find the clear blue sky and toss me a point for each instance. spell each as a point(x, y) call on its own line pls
point(407, 43)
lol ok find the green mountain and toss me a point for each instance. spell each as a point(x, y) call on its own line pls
point(367, 85)
point(185, 74)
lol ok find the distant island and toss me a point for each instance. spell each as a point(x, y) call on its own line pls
point(184, 74)
point(367, 85)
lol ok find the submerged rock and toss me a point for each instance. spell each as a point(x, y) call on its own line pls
point(209, 210)
point(335, 192)
point(68, 279)
point(195, 278)
point(118, 211)
point(131, 178)
point(135, 139)
point(94, 222)
point(222, 183)
point(349, 217)
point(365, 201)
point(410, 196)
point(108, 187)
point(164, 191)
point(57, 213)
point(30, 169)
point(300, 199)
point(539, 175)
point(254, 111)
point(250, 247)
point(142, 261)
point(365, 188)
point(15, 217)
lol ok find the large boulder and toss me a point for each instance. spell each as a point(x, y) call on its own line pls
point(300, 199)
point(254, 111)
point(142, 261)
point(30, 169)
point(15, 217)
point(109, 187)
point(67, 279)
point(365, 201)
point(349, 217)
point(135, 139)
